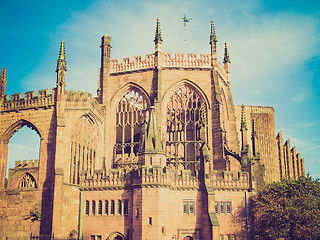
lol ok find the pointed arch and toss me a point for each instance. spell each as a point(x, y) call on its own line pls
point(84, 147)
point(5, 139)
point(6, 136)
point(116, 236)
point(186, 111)
point(185, 82)
point(27, 181)
point(127, 87)
point(188, 238)
point(129, 106)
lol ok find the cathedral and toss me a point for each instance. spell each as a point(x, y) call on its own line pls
point(161, 153)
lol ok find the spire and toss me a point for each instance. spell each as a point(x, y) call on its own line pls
point(3, 83)
point(226, 58)
point(61, 66)
point(213, 37)
point(254, 138)
point(213, 43)
point(158, 38)
point(152, 139)
point(243, 128)
point(62, 51)
point(243, 119)
point(3, 75)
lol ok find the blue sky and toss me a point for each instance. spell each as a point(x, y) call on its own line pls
point(274, 51)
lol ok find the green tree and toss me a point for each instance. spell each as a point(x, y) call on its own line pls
point(289, 209)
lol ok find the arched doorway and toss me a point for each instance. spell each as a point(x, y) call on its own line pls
point(116, 236)
point(188, 238)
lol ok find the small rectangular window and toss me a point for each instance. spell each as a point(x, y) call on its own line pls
point(106, 207)
point(125, 207)
point(185, 207)
point(87, 207)
point(221, 207)
point(99, 237)
point(112, 207)
point(228, 207)
point(92, 237)
point(119, 207)
point(150, 220)
point(100, 207)
point(191, 207)
point(216, 207)
point(93, 208)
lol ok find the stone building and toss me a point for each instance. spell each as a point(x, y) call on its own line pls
point(161, 152)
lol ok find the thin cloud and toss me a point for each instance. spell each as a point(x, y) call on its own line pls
point(299, 98)
point(261, 48)
point(310, 149)
point(19, 147)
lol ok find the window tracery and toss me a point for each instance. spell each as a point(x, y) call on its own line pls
point(84, 149)
point(27, 181)
point(186, 128)
point(130, 118)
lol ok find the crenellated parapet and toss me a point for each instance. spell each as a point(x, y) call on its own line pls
point(164, 177)
point(192, 61)
point(142, 176)
point(165, 60)
point(33, 163)
point(116, 179)
point(17, 103)
point(137, 64)
point(80, 99)
point(161, 177)
point(228, 181)
point(290, 162)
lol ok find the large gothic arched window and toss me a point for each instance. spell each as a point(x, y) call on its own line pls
point(186, 128)
point(27, 181)
point(130, 118)
point(84, 149)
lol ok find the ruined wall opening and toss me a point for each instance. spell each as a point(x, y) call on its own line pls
point(130, 120)
point(84, 146)
point(23, 151)
point(186, 128)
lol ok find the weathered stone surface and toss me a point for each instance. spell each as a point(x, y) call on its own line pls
point(110, 168)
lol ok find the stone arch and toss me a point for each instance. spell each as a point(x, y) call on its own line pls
point(128, 110)
point(4, 140)
point(73, 234)
point(188, 238)
point(185, 82)
point(27, 181)
point(186, 116)
point(84, 148)
point(116, 236)
point(129, 86)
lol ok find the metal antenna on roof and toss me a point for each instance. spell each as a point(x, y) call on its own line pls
point(185, 20)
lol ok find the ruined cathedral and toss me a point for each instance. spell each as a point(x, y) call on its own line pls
point(160, 153)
